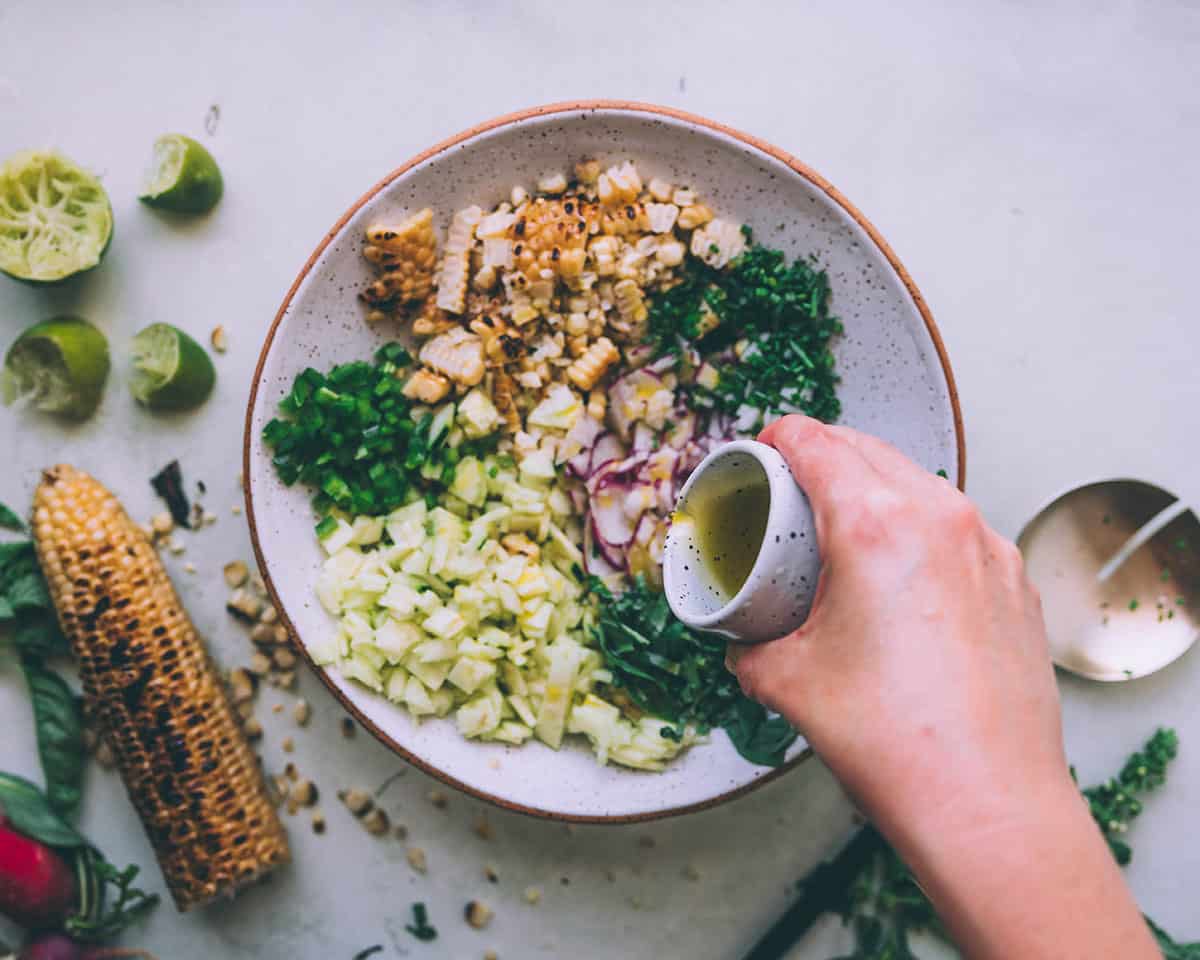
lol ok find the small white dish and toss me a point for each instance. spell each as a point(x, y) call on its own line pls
point(778, 591)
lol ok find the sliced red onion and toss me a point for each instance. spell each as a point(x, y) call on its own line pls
point(668, 494)
point(613, 527)
point(663, 364)
point(644, 532)
point(594, 562)
point(607, 449)
point(682, 431)
point(627, 399)
point(638, 356)
point(643, 437)
point(611, 553)
point(640, 498)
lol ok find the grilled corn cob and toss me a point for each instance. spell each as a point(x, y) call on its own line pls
point(407, 253)
point(186, 763)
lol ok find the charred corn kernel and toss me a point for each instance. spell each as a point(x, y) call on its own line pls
point(457, 354)
point(670, 253)
point(555, 183)
point(660, 190)
point(504, 399)
point(431, 320)
point(683, 197)
point(624, 221)
point(707, 322)
point(694, 216)
point(456, 259)
point(577, 346)
point(597, 403)
point(577, 324)
point(586, 372)
point(182, 754)
point(484, 279)
point(426, 386)
point(619, 184)
point(407, 253)
point(518, 195)
point(587, 172)
point(718, 242)
point(546, 231)
point(530, 380)
point(631, 305)
point(376, 316)
point(603, 251)
point(661, 217)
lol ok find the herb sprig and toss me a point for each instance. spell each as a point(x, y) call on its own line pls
point(679, 674)
point(883, 905)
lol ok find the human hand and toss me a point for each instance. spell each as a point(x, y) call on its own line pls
point(922, 677)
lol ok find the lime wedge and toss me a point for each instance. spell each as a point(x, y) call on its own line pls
point(55, 218)
point(58, 366)
point(171, 371)
point(183, 176)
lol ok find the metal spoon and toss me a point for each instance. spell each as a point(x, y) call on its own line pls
point(1118, 566)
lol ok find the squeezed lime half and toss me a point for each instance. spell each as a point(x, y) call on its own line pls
point(58, 366)
point(183, 176)
point(171, 371)
point(55, 218)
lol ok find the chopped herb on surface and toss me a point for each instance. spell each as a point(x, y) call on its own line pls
point(782, 312)
point(679, 674)
point(420, 927)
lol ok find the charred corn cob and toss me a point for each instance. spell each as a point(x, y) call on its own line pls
point(456, 259)
point(185, 761)
point(456, 354)
point(407, 254)
point(549, 237)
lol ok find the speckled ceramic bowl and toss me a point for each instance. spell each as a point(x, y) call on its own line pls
point(896, 383)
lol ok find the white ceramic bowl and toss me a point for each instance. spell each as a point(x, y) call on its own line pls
point(896, 383)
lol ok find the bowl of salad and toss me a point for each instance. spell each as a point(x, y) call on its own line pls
point(478, 401)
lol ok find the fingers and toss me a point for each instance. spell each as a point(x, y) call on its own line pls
point(768, 672)
point(886, 459)
point(829, 469)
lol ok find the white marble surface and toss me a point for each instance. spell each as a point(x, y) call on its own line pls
point(1033, 165)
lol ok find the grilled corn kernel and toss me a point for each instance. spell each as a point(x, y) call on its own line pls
point(407, 253)
point(182, 754)
point(586, 372)
point(597, 403)
point(587, 172)
point(631, 305)
point(694, 216)
point(618, 185)
point(426, 386)
point(456, 354)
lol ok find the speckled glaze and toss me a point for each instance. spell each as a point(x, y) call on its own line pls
point(896, 384)
point(778, 592)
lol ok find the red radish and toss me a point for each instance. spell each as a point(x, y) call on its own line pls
point(613, 527)
point(663, 364)
point(606, 449)
point(643, 437)
point(593, 562)
point(639, 355)
point(57, 946)
point(37, 887)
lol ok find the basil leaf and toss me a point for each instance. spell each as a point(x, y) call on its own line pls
point(31, 814)
point(35, 633)
point(59, 730)
point(9, 519)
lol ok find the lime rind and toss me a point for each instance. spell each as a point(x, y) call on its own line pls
point(183, 176)
point(59, 366)
point(55, 218)
point(171, 371)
